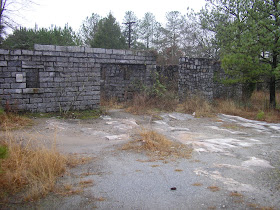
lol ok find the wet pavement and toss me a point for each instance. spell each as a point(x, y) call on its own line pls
point(235, 163)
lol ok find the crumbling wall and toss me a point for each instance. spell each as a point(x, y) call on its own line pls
point(196, 77)
point(204, 77)
point(54, 78)
point(169, 76)
point(221, 90)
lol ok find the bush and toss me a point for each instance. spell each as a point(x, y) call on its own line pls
point(260, 115)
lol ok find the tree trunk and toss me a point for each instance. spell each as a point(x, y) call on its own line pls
point(272, 92)
point(247, 91)
point(272, 86)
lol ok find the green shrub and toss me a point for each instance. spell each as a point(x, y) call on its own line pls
point(3, 152)
point(260, 115)
point(1, 111)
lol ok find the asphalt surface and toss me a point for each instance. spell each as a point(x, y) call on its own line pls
point(235, 163)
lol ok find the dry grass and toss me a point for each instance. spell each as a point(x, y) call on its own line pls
point(75, 160)
point(69, 189)
point(257, 109)
point(30, 169)
point(30, 166)
point(145, 104)
point(197, 184)
point(236, 194)
point(258, 207)
point(10, 121)
point(111, 103)
point(86, 183)
point(197, 105)
point(158, 146)
point(213, 188)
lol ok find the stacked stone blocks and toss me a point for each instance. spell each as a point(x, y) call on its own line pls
point(54, 78)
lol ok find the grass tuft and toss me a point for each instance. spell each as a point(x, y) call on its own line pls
point(158, 146)
point(236, 194)
point(197, 184)
point(30, 168)
point(10, 121)
point(213, 188)
point(198, 106)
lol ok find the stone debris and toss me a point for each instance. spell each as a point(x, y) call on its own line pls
point(117, 137)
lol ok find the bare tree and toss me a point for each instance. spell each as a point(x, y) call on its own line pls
point(89, 28)
point(9, 9)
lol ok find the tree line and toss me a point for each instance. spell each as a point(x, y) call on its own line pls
point(180, 36)
point(243, 34)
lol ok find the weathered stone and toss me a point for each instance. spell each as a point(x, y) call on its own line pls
point(44, 47)
point(63, 72)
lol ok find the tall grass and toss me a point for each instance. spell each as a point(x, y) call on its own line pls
point(143, 103)
point(29, 166)
point(12, 121)
point(256, 108)
point(197, 106)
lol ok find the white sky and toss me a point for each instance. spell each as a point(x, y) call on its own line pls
point(73, 12)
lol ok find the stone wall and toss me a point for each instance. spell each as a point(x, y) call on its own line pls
point(221, 90)
point(121, 81)
point(204, 77)
point(196, 77)
point(54, 78)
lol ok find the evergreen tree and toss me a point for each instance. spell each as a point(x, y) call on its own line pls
point(109, 34)
point(24, 38)
point(248, 35)
point(89, 29)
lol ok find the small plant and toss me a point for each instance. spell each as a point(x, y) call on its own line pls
point(1, 111)
point(158, 89)
point(3, 151)
point(260, 115)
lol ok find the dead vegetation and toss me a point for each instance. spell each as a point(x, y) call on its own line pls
point(197, 184)
point(197, 106)
point(236, 194)
point(257, 108)
point(30, 169)
point(213, 188)
point(12, 121)
point(144, 104)
point(157, 146)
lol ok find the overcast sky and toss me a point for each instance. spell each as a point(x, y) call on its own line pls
point(73, 12)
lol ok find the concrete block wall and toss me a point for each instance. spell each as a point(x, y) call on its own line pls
point(54, 78)
point(204, 76)
point(196, 77)
point(221, 90)
point(121, 81)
